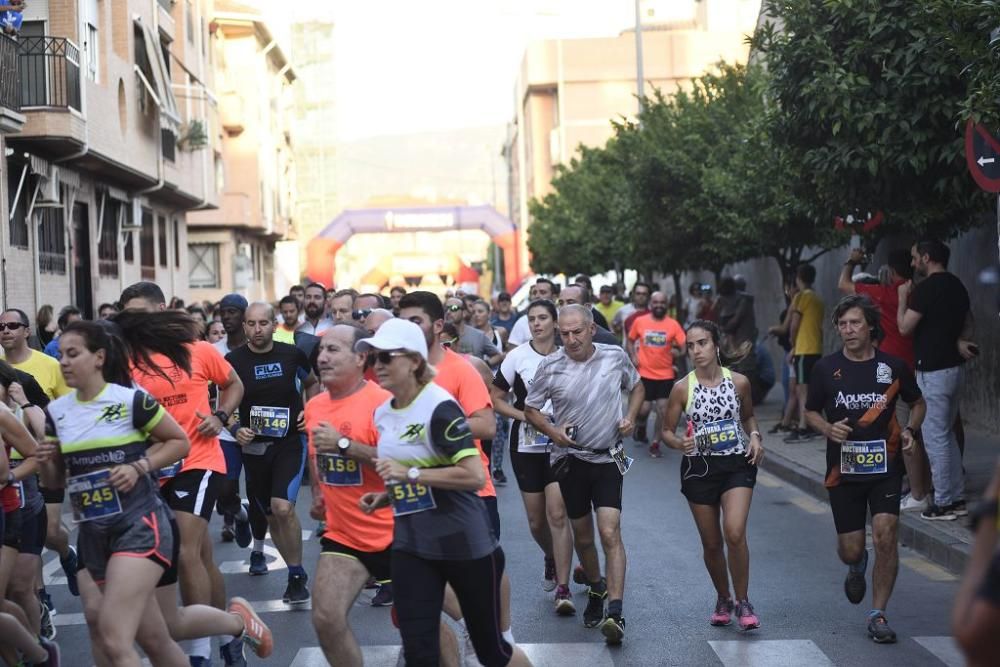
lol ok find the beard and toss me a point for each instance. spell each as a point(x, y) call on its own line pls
point(659, 313)
point(314, 310)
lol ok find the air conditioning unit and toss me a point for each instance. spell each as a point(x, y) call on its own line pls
point(49, 189)
point(135, 221)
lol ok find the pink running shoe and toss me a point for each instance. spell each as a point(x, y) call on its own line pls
point(748, 620)
point(723, 614)
point(654, 450)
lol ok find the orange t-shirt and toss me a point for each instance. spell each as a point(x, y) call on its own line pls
point(458, 377)
point(654, 341)
point(353, 417)
point(188, 395)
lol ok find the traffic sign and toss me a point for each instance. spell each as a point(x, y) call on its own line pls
point(982, 155)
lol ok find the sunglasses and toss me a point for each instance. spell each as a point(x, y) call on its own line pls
point(12, 326)
point(454, 308)
point(361, 314)
point(385, 357)
point(449, 343)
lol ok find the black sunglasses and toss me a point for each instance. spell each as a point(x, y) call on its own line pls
point(455, 308)
point(385, 357)
point(12, 326)
point(361, 314)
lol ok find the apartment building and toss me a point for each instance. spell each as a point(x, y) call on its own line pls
point(232, 248)
point(114, 146)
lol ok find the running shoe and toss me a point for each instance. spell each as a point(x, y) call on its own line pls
point(467, 651)
point(801, 435)
point(745, 615)
point(654, 450)
point(613, 629)
point(243, 535)
point(779, 428)
point(258, 564)
point(879, 630)
point(53, 657)
point(579, 576)
point(47, 627)
point(383, 597)
point(723, 614)
point(499, 478)
point(564, 602)
point(46, 600)
point(228, 530)
point(594, 613)
point(911, 504)
point(855, 584)
point(232, 653)
point(199, 661)
point(640, 434)
point(549, 580)
point(371, 583)
point(255, 631)
point(958, 508)
point(296, 592)
point(936, 513)
point(70, 565)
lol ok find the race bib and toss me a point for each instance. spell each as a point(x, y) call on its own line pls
point(92, 496)
point(718, 436)
point(410, 498)
point(167, 472)
point(621, 459)
point(532, 441)
point(655, 339)
point(268, 421)
point(863, 457)
point(337, 470)
point(20, 493)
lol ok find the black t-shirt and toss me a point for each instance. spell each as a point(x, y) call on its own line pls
point(272, 400)
point(943, 302)
point(865, 393)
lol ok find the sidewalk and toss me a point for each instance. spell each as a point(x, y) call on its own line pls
point(947, 543)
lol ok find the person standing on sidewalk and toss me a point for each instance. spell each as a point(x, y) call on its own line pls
point(856, 390)
point(936, 311)
point(806, 327)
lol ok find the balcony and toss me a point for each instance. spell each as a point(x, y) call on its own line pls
point(11, 120)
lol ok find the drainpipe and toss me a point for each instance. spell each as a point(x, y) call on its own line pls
point(159, 119)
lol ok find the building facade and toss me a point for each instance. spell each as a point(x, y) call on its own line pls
point(115, 147)
point(232, 248)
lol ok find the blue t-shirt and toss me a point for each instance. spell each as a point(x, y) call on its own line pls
point(52, 348)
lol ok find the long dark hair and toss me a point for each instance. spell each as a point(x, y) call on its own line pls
point(133, 336)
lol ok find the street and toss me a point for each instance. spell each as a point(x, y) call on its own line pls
point(796, 588)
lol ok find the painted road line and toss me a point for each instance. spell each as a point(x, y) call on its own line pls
point(768, 480)
point(807, 504)
point(928, 569)
point(541, 655)
point(944, 649)
point(275, 562)
point(770, 653)
point(260, 606)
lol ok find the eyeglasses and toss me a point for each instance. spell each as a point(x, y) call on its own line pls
point(449, 343)
point(361, 314)
point(385, 357)
point(12, 326)
point(454, 308)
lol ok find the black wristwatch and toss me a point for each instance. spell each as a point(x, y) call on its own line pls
point(26, 406)
point(222, 416)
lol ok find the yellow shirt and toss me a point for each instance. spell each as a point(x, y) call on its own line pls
point(609, 310)
point(283, 335)
point(809, 339)
point(46, 372)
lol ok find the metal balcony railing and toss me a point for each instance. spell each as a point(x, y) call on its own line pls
point(10, 96)
point(50, 72)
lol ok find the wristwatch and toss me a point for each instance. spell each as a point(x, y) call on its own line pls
point(222, 416)
point(413, 474)
point(344, 444)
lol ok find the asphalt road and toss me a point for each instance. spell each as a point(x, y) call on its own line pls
point(796, 588)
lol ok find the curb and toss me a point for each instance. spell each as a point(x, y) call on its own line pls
point(922, 536)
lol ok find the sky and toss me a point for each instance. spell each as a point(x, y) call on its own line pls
point(407, 66)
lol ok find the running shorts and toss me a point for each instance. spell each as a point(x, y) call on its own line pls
point(378, 563)
point(277, 473)
point(803, 366)
point(532, 471)
point(657, 389)
point(705, 478)
point(193, 492)
point(234, 458)
point(153, 536)
point(589, 485)
point(52, 496)
point(12, 529)
point(34, 531)
point(851, 501)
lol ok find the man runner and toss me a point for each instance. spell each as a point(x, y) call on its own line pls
point(856, 389)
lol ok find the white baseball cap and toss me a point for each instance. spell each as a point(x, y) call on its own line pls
point(396, 334)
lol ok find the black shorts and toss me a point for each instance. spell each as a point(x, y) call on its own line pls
point(851, 501)
point(153, 536)
point(52, 496)
point(588, 486)
point(193, 492)
point(34, 531)
point(657, 389)
point(705, 478)
point(803, 364)
point(378, 563)
point(531, 470)
point(12, 528)
point(277, 473)
point(494, 512)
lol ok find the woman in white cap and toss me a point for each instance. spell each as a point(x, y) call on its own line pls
point(442, 535)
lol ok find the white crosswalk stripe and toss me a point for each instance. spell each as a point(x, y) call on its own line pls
point(944, 649)
point(541, 655)
point(770, 653)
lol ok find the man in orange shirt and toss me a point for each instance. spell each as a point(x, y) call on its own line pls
point(342, 445)
point(190, 486)
point(654, 342)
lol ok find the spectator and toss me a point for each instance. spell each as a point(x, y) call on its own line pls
point(471, 340)
point(734, 310)
point(937, 313)
point(639, 304)
point(542, 289)
point(216, 332)
point(395, 294)
point(288, 311)
point(577, 294)
point(176, 303)
point(806, 326)
point(66, 315)
point(299, 292)
point(782, 334)
point(106, 311)
point(504, 315)
point(606, 304)
point(45, 326)
point(199, 316)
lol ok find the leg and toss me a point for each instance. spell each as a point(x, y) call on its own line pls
point(22, 589)
point(339, 580)
point(851, 546)
point(661, 409)
point(735, 510)
point(15, 636)
point(129, 587)
point(418, 591)
point(940, 389)
point(706, 519)
point(885, 536)
point(586, 550)
point(801, 391)
point(286, 531)
point(218, 597)
point(562, 536)
point(195, 621)
point(58, 537)
point(610, 528)
point(195, 584)
point(154, 638)
point(535, 508)
point(91, 596)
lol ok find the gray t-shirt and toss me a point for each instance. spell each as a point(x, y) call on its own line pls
point(475, 342)
point(587, 394)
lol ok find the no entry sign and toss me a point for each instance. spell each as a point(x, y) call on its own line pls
point(982, 154)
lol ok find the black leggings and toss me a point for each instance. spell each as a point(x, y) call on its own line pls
point(418, 595)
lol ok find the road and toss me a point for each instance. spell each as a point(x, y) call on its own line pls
point(796, 588)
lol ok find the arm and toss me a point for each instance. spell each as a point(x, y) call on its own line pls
point(15, 434)
point(502, 406)
point(538, 421)
point(782, 329)
point(635, 399)
point(755, 451)
point(483, 424)
point(230, 395)
point(171, 445)
point(325, 438)
point(844, 282)
point(466, 475)
point(906, 318)
point(675, 405)
point(793, 326)
point(966, 346)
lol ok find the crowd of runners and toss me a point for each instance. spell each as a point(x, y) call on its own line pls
point(397, 412)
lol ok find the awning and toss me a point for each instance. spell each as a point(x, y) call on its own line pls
point(160, 85)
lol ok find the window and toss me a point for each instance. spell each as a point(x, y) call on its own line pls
point(177, 242)
point(189, 20)
point(147, 246)
point(107, 244)
point(91, 44)
point(129, 248)
point(19, 218)
point(161, 239)
point(51, 240)
point(168, 143)
point(204, 261)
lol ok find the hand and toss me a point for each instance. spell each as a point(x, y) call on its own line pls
point(904, 291)
point(300, 423)
point(47, 450)
point(325, 438)
point(210, 424)
point(755, 452)
point(562, 438)
point(16, 393)
point(626, 426)
point(839, 431)
point(318, 509)
point(123, 477)
point(391, 471)
point(688, 445)
point(372, 501)
point(244, 436)
point(907, 440)
point(966, 348)
point(857, 256)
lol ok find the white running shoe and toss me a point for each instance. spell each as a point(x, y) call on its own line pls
point(910, 504)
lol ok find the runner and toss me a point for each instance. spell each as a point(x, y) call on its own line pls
point(856, 389)
point(192, 486)
point(543, 289)
point(427, 457)
point(719, 469)
point(654, 344)
point(288, 308)
point(529, 454)
point(342, 439)
point(587, 416)
point(315, 322)
point(270, 418)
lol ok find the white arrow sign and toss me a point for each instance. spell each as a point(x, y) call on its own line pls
point(985, 160)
